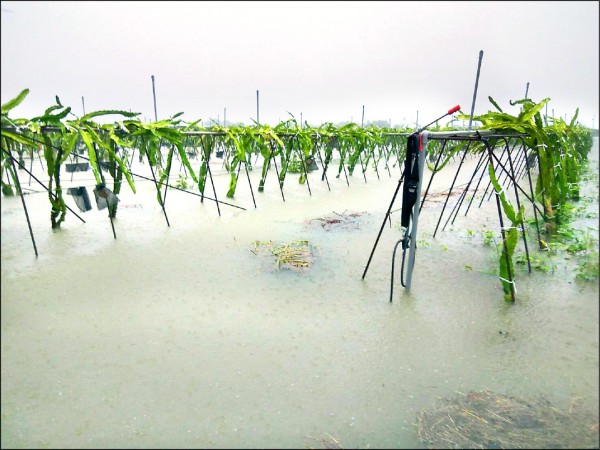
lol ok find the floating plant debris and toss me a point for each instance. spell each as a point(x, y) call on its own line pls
point(296, 255)
point(346, 220)
point(487, 420)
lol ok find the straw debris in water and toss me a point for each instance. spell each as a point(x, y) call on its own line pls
point(488, 420)
point(345, 220)
point(295, 255)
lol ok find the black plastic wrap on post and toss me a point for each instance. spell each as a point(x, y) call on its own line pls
point(411, 178)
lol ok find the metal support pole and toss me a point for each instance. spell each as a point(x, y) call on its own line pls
point(18, 186)
point(302, 160)
point(450, 192)
point(213, 186)
point(480, 162)
point(387, 214)
point(324, 175)
point(154, 96)
point(508, 266)
point(475, 90)
point(515, 185)
point(362, 121)
point(40, 183)
point(249, 182)
point(162, 205)
point(108, 207)
point(537, 225)
point(164, 199)
point(248, 176)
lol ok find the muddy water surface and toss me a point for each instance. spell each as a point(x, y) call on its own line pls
point(180, 336)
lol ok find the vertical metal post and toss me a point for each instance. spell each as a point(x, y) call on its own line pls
point(514, 180)
point(83, 104)
point(362, 121)
point(527, 89)
point(248, 176)
point(475, 90)
point(362, 125)
point(387, 214)
point(110, 217)
point(507, 259)
point(415, 220)
point(450, 192)
point(303, 166)
point(18, 186)
point(154, 96)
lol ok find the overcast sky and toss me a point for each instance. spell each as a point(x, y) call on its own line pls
point(324, 60)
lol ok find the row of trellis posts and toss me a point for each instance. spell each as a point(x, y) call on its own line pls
point(515, 162)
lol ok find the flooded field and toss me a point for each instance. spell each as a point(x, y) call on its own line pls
point(180, 336)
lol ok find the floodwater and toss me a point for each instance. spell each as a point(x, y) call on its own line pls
point(179, 336)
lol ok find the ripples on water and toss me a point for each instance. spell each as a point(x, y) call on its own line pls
point(181, 337)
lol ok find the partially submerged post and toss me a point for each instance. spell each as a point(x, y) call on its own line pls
point(18, 186)
point(413, 173)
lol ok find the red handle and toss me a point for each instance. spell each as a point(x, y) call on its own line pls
point(453, 110)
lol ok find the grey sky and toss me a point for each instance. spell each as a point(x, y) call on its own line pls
point(322, 59)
